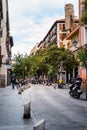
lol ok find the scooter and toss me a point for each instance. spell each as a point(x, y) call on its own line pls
point(75, 90)
point(60, 85)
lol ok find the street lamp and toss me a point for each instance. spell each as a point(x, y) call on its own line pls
point(60, 67)
point(75, 42)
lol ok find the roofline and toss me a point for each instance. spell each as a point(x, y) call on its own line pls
point(57, 21)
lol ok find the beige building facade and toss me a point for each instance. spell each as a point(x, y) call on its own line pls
point(6, 42)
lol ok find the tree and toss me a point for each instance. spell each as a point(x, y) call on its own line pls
point(83, 59)
point(84, 15)
point(54, 57)
point(82, 55)
point(45, 61)
point(20, 65)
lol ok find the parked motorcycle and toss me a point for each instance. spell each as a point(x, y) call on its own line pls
point(60, 85)
point(75, 90)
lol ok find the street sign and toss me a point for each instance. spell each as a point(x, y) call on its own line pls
point(8, 66)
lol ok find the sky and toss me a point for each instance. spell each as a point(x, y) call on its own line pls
point(30, 21)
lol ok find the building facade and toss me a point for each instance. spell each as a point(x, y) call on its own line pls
point(56, 34)
point(82, 36)
point(79, 35)
point(6, 42)
point(62, 32)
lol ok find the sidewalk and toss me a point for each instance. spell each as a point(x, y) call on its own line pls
point(12, 110)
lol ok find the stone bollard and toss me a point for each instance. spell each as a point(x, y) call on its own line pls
point(39, 125)
point(27, 108)
point(19, 91)
point(22, 89)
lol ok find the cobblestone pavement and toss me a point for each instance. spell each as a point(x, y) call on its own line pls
point(55, 106)
point(12, 110)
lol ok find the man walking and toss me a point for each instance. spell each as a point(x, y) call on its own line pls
point(13, 81)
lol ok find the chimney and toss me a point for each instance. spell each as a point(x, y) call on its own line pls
point(69, 17)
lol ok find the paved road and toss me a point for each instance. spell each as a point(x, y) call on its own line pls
point(60, 111)
point(12, 110)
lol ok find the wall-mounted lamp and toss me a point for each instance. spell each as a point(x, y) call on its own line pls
point(75, 42)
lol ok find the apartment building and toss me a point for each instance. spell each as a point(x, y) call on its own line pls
point(6, 42)
point(56, 34)
point(77, 36)
point(36, 47)
point(34, 50)
point(61, 28)
point(60, 31)
point(82, 36)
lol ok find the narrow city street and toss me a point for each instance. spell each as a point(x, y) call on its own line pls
point(55, 106)
point(60, 111)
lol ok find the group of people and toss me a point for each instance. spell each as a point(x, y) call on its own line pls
point(16, 82)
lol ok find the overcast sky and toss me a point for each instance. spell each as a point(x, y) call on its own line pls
point(30, 20)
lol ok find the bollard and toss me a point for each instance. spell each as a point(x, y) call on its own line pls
point(27, 108)
point(39, 125)
point(19, 91)
point(22, 88)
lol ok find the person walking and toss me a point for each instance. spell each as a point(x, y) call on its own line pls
point(13, 82)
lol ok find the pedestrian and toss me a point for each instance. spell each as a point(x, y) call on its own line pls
point(13, 82)
point(60, 83)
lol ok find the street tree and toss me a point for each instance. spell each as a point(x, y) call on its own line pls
point(82, 56)
point(84, 14)
point(38, 66)
point(20, 65)
point(45, 61)
point(54, 57)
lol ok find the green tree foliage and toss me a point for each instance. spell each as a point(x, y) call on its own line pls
point(55, 55)
point(39, 67)
point(82, 55)
point(20, 65)
point(84, 15)
point(45, 61)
